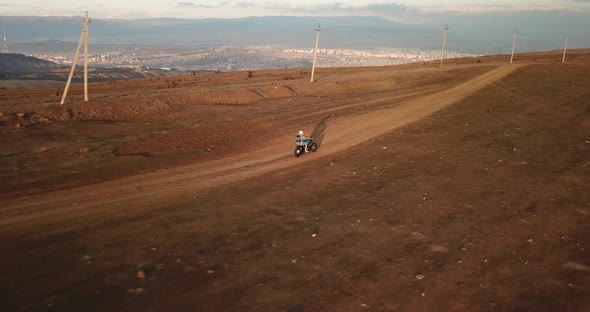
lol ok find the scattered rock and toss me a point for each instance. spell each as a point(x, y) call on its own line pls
point(136, 291)
point(84, 150)
point(423, 294)
point(439, 248)
point(141, 274)
point(294, 261)
point(419, 236)
point(86, 257)
point(20, 115)
point(17, 125)
point(314, 235)
point(210, 271)
point(42, 149)
point(190, 269)
point(419, 277)
point(530, 240)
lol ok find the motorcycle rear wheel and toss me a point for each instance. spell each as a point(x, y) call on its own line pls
point(313, 147)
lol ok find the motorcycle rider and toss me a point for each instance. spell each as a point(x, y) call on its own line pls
point(301, 140)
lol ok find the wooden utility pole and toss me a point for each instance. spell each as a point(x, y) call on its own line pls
point(513, 46)
point(442, 56)
point(315, 50)
point(83, 38)
point(565, 48)
point(86, 21)
point(5, 45)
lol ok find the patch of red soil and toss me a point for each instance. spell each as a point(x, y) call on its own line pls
point(276, 91)
point(234, 96)
point(197, 139)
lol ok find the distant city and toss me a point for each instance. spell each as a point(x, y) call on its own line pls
point(269, 42)
point(187, 58)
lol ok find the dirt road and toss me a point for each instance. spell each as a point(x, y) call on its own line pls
point(122, 196)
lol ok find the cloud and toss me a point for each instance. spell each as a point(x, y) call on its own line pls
point(245, 4)
point(336, 7)
point(213, 6)
point(384, 7)
point(393, 8)
point(185, 4)
point(480, 9)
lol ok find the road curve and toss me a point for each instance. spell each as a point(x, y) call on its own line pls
point(83, 205)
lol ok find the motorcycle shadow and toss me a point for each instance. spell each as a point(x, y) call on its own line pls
point(319, 130)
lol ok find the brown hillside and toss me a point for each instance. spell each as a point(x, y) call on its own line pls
point(454, 189)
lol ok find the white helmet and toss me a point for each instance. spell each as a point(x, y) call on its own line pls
point(300, 132)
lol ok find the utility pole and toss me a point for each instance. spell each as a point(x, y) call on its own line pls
point(83, 38)
point(5, 45)
point(513, 46)
point(565, 48)
point(442, 56)
point(86, 22)
point(315, 50)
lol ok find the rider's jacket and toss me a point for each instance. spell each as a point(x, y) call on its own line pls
point(299, 139)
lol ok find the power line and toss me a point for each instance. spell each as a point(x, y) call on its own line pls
point(86, 22)
point(83, 39)
point(565, 48)
point(442, 57)
point(5, 45)
point(513, 46)
point(315, 50)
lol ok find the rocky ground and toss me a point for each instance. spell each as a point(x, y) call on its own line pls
point(457, 190)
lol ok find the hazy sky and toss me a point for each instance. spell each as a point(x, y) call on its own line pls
point(402, 10)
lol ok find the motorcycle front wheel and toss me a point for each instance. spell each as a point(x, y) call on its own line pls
point(313, 146)
point(298, 151)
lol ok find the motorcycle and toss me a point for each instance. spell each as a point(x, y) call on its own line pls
point(308, 146)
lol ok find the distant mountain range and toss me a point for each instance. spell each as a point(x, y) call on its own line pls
point(21, 67)
point(20, 64)
point(474, 34)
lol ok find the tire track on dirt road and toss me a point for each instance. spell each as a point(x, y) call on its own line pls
point(85, 205)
